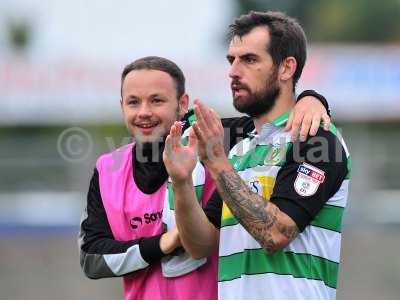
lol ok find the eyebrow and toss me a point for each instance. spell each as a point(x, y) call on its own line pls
point(156, 95)
point(246, 55)
point(249, 55)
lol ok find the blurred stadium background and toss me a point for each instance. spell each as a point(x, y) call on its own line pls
point(60, 64)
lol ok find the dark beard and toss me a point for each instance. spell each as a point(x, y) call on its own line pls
point(257, 104)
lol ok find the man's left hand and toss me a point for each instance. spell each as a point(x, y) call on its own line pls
point(210, 135)
point(180, 160)
point(306, 118)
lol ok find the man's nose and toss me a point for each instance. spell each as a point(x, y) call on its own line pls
point(145, 111)
point(235, 70)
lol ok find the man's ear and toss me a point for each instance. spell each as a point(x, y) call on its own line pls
point(183, 105)
point(287, 68)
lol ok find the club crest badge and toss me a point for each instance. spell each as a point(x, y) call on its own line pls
point(262, 185)
point(308, 180)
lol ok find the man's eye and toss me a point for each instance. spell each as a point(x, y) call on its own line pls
point(250, 60)
point(158, 100)
point(133, 102)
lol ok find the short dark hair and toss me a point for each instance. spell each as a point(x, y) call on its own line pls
point(159, 64)
point(287, 37)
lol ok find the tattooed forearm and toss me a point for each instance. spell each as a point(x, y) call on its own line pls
point(289, 231)
point(244, 203)
point(248, 207)
point(257, 216)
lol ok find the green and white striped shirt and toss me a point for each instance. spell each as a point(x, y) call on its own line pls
point(314, 178)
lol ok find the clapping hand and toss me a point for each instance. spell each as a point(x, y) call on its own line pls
point(180, 160)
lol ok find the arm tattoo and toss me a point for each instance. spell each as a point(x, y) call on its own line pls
point(289, 231)
point(253, 213)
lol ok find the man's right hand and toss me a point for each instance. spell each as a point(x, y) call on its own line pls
point(170, 241)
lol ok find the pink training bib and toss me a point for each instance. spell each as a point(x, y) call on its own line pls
point(133, 215)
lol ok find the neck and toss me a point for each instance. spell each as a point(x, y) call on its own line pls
point(284, 103)
point(149, 152)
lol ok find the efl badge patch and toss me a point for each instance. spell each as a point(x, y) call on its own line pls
point(308, 180)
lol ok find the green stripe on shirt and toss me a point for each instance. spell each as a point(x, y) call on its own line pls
point(257, 261)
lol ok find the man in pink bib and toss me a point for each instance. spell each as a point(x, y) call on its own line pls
point(123, 229)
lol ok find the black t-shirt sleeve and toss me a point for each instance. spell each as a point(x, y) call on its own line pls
point(320, 97)
point(235, 130)
point(312, 173)
point(213, 209)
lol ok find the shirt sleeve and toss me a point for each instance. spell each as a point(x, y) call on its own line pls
point(312, 173)
point(101, 255)
point(213, 209)
point(235, 130)
point(320, 97)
